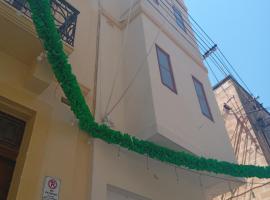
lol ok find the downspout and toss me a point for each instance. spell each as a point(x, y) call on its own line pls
point(91, 140)
point(97, 59)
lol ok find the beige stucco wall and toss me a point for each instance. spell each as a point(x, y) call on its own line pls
point(154, 107)
point(56, 148)
point(179, 116)
point(83, 57)
point(149, 108)
point(129, 172)
point(110, 73)
point(54, 145)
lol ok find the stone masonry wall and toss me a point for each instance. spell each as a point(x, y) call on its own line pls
point(244, 141)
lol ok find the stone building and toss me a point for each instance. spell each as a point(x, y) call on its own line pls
point(248, 126)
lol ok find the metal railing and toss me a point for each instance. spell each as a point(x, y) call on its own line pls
point(65, 16)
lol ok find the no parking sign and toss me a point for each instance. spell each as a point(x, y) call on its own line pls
point(51, 188)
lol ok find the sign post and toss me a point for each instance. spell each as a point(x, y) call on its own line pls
point(51, 188)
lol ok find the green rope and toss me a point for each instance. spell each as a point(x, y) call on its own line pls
point(47, 32)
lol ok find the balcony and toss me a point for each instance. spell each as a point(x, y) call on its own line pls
point(19, 39)
point(64, 14)
point(19, 32)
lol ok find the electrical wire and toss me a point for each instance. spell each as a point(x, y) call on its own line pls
point(173, 25)
point(136, 73)
point(221, 178)
point(189, 30)
point(212, 71)
point(234, 70)
point(243, 160)
point(207, 37)
point(200, 173)
point(218, 60)
point(191, 36)
point(119, 60)
point(248, 191)
point(201, 37)
point(236, 106)
point(205, 42)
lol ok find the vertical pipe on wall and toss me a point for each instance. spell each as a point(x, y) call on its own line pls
point(97, 58)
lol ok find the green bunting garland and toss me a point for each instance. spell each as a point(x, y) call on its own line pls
point(47, 32)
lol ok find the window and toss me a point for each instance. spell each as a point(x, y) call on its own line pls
point(156, 2)
point(165, 69)
point(202, 99)
point(19, 4)
point(178, 17)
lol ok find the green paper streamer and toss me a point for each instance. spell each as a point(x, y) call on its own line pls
point(47, 32)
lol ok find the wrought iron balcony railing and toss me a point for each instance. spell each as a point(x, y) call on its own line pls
point(64, 14)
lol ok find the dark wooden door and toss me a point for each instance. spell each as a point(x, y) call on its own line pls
point(6, 172)
point(11, 132)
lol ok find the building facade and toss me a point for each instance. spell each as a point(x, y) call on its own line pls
point(140, 71)
point(247, 124)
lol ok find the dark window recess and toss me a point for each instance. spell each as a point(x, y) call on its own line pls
point(202, 99)
point(11, 133)
point(165, 69)
point(156, 2)
point(18, 4)
point(179, 18)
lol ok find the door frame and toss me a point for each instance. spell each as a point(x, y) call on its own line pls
point(23, 113)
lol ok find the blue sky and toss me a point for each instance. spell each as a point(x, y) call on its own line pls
point(241, 28)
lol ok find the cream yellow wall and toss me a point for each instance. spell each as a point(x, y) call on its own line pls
point(56, 148)
point(130, 172)
point(83, 56)
point(53, 146)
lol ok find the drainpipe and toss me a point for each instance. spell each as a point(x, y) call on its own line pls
point(97, 59)
point(91, 140)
